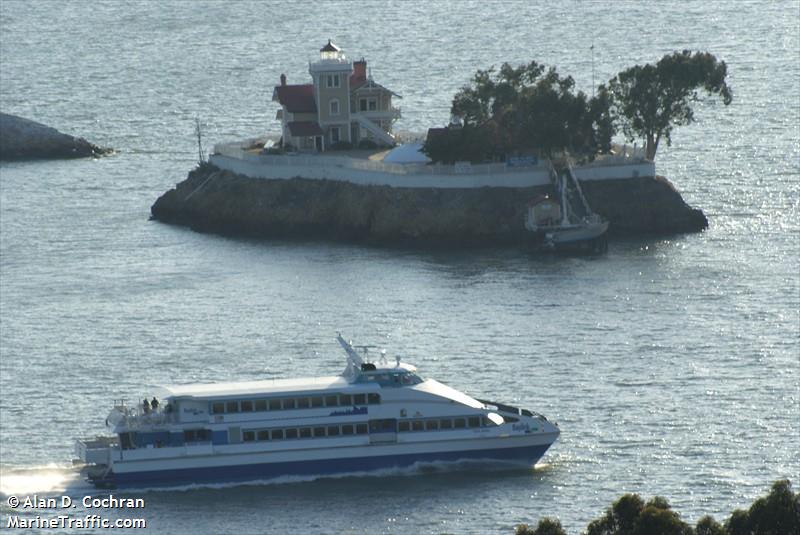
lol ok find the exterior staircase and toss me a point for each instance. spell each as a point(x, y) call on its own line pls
point(376, 130)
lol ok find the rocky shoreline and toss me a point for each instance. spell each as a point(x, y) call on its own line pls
point(23, 139)
point(218, 201)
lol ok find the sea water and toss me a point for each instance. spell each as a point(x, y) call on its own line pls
point(671, 364)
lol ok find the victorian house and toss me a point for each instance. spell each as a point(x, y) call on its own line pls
point(342, 104)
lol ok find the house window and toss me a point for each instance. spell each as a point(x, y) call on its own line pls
point(367, 104)
point(335, 106)
point(334, 134)
point(332, 80)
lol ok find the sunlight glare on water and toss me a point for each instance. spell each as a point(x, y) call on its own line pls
point(670, 364)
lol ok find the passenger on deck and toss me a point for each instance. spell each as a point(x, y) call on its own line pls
point(146, 406)
point(154, 404)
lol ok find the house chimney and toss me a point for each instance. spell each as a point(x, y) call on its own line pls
point(283, 79)
point(360, 70)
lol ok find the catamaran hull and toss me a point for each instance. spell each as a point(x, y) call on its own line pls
point(270, 465)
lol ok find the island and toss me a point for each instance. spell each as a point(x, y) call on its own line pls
point(338, 171)
point(23, 139)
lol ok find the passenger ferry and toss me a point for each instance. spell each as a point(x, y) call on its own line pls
point(374, 415)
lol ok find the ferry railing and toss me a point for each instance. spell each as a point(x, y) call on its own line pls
point(137, 418)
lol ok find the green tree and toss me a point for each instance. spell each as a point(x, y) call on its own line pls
point(630, 516)
point(650, 100)
point(547, 526)
point(708, 526)
point(524, 109)
point(620, 518)
point(777, 513)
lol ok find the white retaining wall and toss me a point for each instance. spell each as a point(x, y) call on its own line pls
point(367, 172)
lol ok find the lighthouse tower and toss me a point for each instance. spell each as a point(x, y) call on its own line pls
point(331, 75)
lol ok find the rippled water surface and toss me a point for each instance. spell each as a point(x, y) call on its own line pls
point(671, 365)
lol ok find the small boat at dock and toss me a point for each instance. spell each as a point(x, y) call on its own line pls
point(565, 223)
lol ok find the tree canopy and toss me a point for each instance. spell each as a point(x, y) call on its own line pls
point(521, 110)
point(532, 109)
point(778, 513)
point(649, 100)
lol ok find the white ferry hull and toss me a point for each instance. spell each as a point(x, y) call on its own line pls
point(243, 466)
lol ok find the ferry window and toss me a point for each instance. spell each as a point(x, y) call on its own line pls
point(474, 421)
point(316, 401)
point(416, 425)
point(232, 406)
point(319, 431)
point(289, 403)
point(446, 423)
point(303, 403)
point(460, 423)
point(345, 400)
point(261, 404)
point(431, 425)
point(196, 435)
point(360, 399)
point(333, 430)
point(274, 404)
point(247, 406)
point(249, 436)
point(217, 408)
point(277, 434)
point(331, 401)
point(361, 429)
point(291, 433)
point(263, 435)
point(347, 429)
point(305, 432)
point(404, 426)
point(373, 399)
point(126, 440)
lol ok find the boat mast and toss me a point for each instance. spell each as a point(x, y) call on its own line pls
point(578, 188)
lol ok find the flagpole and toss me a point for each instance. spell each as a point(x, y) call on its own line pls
point(592, 49)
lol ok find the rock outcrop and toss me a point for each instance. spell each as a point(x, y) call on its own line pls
point(23, 139)
point(213, 200)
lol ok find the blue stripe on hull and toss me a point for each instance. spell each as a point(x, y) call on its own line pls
point(251, 472)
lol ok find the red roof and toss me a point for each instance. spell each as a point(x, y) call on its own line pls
point(297, 98)
point(304, 128)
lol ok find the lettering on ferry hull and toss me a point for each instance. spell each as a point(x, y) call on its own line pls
point(350, 412)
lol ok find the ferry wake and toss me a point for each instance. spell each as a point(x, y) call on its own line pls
point(375, 415)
